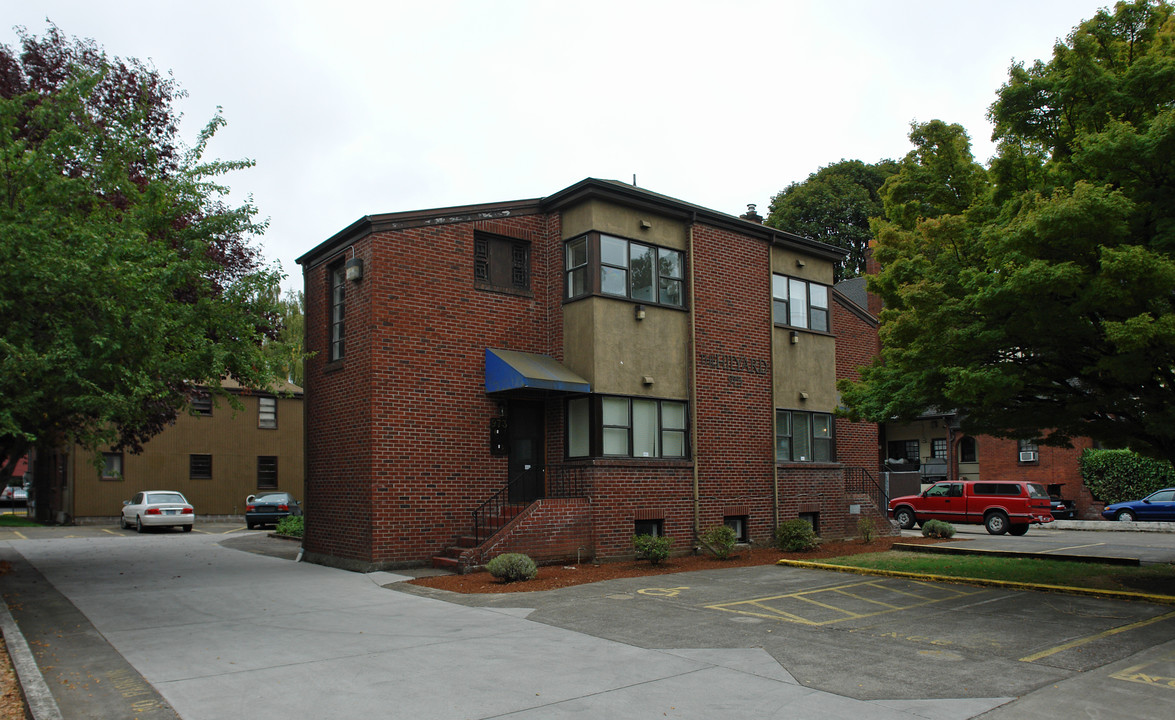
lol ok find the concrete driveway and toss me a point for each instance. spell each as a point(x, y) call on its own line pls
point(192, 625)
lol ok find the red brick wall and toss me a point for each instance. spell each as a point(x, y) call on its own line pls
point(857, 345)
point(999, 459)
point(550, 530)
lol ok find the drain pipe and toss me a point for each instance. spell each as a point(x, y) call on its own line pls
point(693, 362)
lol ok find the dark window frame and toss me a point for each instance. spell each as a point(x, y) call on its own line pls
point(814, 315)
point(336, 311)
point(968, 450)
point(201, 405)
point(642, 527)
point(263, 422)
point(596, 428)
point(828, 442)
point(734, 522)
point(666, 279)
point(938, 448)
point(266, 468)
point(200, 466)
point(501, 263)
point(118, 472)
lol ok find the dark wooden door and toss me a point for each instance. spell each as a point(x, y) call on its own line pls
point(526, 450)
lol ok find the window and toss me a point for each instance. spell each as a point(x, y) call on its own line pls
point(648, 527)
point(938, 448)
point(968, 450)
point(902, 451)
point(266, 471)
point(737, 523)
point(501, 263)
point(1028, 451)
point(803, 436)
point(337, 327)
point(202, 404)
point(112, 466)
point(799, 303)
point(628, 427)
point(628, 269)
point(267, 412)
point(200, 467)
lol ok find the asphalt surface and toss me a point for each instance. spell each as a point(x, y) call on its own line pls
point(223, 623)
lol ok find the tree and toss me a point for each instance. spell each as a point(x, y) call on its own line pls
point(834, 206)
point(1038, 297)
point(127, 284)
point(289, 349)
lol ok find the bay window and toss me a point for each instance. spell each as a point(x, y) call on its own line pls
point(624, 268)
point(617, 426)
point(799, 303)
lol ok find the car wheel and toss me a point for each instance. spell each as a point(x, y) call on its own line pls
point(1018, 529)
point(904, 517)
point(138, 524)
point(122, 523)
point(250, 525)
point(1125, 516)
point(187, 528)
point(996, 523)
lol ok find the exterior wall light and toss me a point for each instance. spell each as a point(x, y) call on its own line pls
point(795, 337)
point(354, 269)
point(640, 312)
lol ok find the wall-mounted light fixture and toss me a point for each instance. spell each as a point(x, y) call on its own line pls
point(640, 312)
point(800, 262)
point(354, 269)
point(647, 379)
point(645, 224)
point(795, 337)
point(803, 396)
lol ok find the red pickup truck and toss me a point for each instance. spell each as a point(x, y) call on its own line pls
point(1002, 507)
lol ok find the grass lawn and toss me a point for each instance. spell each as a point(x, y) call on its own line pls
point(13, 520)
point(1158, 579)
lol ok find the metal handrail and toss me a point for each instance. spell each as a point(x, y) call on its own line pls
point(561, 482)
point(860, 480)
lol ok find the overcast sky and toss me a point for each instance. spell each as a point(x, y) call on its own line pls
point(356, 108)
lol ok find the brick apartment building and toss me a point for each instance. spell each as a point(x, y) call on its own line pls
point(550, 376)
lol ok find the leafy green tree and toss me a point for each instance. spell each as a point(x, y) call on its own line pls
point(127, 285)
point(1038, 297)
point(289, 350)
point(834, 206)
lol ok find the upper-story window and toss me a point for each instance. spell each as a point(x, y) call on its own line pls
point(626, 268)
point(267, 412)
point(799, 303)
point(501, 263)
point(338, 296)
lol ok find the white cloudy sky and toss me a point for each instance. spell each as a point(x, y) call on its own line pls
point(353, 108)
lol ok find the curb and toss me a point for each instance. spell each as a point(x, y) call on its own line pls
point(1007, 584)
point(40, 701)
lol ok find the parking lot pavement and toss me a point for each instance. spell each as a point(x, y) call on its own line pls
point(1149, 547)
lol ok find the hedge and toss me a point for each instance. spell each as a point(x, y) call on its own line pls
point(1119, 475)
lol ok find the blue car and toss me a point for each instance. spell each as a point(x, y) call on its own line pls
point(1159, 505)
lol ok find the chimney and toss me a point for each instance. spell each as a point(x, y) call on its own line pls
point(751, 215)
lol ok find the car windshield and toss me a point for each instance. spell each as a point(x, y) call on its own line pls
point(167, 497)
point(1036, 490)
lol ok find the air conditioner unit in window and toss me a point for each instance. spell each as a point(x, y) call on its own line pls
point(1029, 456)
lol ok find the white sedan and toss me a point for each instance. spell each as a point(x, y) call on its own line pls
point(157, 508)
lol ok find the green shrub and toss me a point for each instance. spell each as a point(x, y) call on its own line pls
point(938, 529)
point(795, 536)
point(652, 548)
point(512, 567)
point(721, 540)
point(291, 525)
point(866, 529)
point(1118, 475)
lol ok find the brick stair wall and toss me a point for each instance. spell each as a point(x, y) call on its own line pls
point(550, 530)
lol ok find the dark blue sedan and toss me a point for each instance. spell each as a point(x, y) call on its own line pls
point(1159, 505)
point(269, 508)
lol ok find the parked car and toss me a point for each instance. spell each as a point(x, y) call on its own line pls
point(157, 508)
point(14, 494)
point(1001, 507)
point(1159, 505)
point(269, 508)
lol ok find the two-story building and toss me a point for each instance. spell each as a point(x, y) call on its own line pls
point(551, 376)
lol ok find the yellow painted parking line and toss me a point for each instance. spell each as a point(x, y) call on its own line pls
point(108, 530)
point(1086, 640)
point(1072, 547)
point(19, 534)
point(790, 607)
point(1151, 673)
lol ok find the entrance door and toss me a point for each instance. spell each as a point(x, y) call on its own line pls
point(525, 423)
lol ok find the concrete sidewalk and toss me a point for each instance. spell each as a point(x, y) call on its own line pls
point(220, 633)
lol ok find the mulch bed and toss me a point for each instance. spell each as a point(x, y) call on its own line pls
point(557, 576)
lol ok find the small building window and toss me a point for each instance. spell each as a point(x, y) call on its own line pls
point(336, 282)
point(266, 472)
point(200, 467)
point(1028, 451)
point(267, 413)
point(656, 528)
point(968, 450)
point(738, 523)
point(799, 303)
point(813, 519)
point(501, 263)
point(900, 452)
point(202, 404)
point(112, 466)
point(938, 448)
point(803, 436)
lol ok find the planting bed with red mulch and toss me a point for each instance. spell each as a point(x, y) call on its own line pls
point(557, 576)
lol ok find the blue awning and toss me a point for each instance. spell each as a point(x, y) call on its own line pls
point(508, 370)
